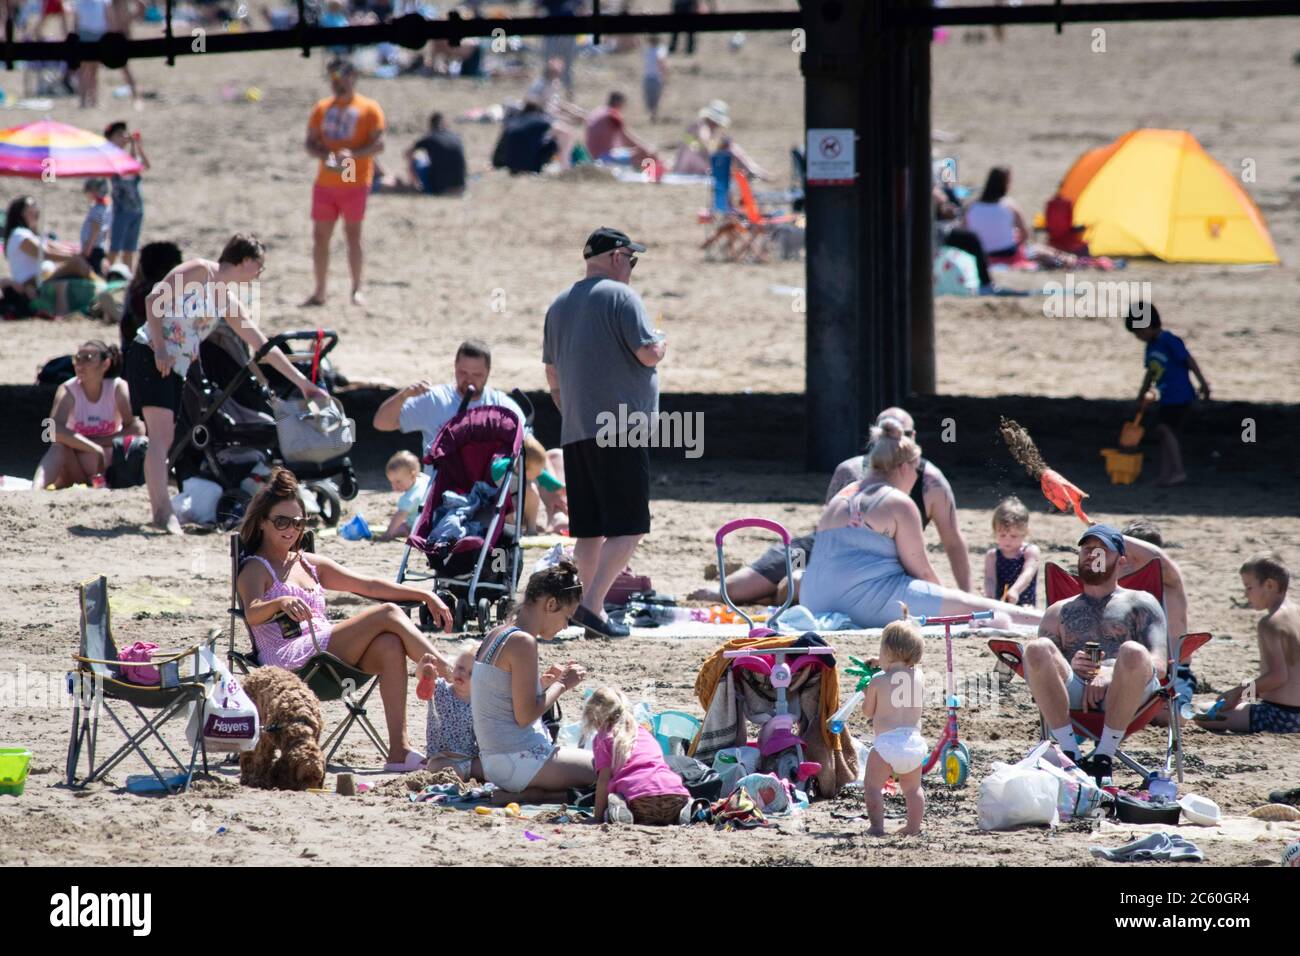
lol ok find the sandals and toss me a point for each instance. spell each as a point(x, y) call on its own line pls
point(414, 761)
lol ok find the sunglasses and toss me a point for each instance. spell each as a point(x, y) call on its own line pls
point(284, 522)
point(631, 258)
point(89, 357)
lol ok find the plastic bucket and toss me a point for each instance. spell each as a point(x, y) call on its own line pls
point(1122, 467)
point(14, 762)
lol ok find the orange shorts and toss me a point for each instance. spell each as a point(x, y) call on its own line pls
point(330, 202)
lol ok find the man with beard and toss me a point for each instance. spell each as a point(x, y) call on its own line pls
point(1129, 627)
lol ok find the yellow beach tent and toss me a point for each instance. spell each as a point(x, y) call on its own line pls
point(1156, 192)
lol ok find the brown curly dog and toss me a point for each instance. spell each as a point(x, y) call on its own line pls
point(291, 724)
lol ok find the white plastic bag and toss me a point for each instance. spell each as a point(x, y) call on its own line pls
point(1077, 796)
point(732, 763)
point(1017, 796)
point(197, 501)
point(228, 719)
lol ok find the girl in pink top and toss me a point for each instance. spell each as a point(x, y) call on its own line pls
point(90, 410)
point(633, 783)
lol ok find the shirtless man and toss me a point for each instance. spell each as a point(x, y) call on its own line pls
point(1129, 626)
point(1273, 704)
point(764, 579)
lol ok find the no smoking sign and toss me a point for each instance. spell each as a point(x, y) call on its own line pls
point(830, 157)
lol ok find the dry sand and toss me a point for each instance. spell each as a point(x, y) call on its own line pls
point(1035, 102)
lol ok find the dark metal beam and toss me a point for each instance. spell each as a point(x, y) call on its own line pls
point(1096, 12)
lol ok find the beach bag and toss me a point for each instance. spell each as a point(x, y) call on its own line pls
point(626, 585)
point(769, 792)
point(227, 719)
point(1077, 794)
point(140, 651)
point(127, 468)
point(955, 272)
point(1016, 796)
point(311, 434)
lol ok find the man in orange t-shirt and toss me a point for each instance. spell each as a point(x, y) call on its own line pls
point(345, 131)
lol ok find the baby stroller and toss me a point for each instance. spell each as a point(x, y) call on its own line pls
point(226, 432)
point(785, 684)
point(475, 572)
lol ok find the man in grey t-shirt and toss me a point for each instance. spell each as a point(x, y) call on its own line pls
point(600, 354)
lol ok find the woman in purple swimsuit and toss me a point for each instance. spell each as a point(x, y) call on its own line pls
point(283, 594)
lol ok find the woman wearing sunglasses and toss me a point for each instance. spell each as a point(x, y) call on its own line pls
point(283, 594)
point(90, 410)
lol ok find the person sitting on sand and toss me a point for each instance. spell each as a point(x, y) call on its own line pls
point(870, 557)
point(568, 121)
point(1003, 231)
point(607, 131)
point(510, 693)
point(90, 410)
point(1269, 703)
point(1011, 568)
point(28, 255)
point(894, 702)
point(282, 589)
point(704, 137)
point(527, 141)
point(634, 784)
point(449, 733)
point(405, 477)
point(1129, 632)
point(764, 579)
point(435, 164)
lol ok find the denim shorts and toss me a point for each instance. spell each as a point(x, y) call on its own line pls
point(125, 231)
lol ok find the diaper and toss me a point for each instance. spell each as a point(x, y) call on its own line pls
point(902, 748)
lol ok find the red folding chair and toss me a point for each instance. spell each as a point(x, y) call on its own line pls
point(1061, 584)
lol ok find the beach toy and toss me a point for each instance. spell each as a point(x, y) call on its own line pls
point(1130, 435)
point(1200, 810)
point(253, 94)
point(1064, 494)
point(14, 762)
point(512, 809)
point(356, 529)
point(1122, 467)
point(674, 725)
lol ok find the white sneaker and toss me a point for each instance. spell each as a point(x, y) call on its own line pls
point(617, 811)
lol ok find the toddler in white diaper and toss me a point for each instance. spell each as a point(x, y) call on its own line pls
point(893, 703)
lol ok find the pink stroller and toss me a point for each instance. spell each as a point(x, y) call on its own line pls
point(771, 672)
point(474, 574)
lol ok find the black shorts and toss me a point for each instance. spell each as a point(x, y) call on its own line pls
point(1172, 416)
point(146, 385)
point(608, 490)
point(771, 563)
point(96, 259)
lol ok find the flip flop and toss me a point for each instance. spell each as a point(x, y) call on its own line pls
point(414, 761)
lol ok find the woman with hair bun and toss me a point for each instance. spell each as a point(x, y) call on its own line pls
point(90, 410)
point(283, 594)
point(870, 557)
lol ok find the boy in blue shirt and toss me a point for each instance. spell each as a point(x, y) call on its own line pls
point(1168, 363)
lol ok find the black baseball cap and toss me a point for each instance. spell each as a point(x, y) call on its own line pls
point(1107, 535)
point(605, 240)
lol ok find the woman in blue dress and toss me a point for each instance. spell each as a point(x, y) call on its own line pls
point(870, 557)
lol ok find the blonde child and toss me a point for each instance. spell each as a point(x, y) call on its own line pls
point(1273, 705)
point(893, 703)
point(450, 727)
point(406, 478)
point(1011, 568)
point(633, 783)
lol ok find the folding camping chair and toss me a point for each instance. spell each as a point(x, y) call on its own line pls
point(1061, 584)
point(98, 680)
point(742, 232)
point(328, 677)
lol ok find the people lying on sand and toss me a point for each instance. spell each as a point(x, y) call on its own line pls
point(510, 693)
point(1011, 567)
point(180, 312)
point(283, 593)
point(1166, 385)
point(1270, 702)
point(424, 407)
point(449, 728)
point(704, 137)
point(870, 557)
point(1123, 666)
point(607, 131)
point(28, 256)
point(90, 410)
point(765, 579)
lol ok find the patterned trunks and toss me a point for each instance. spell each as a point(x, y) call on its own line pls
point(1268, 718)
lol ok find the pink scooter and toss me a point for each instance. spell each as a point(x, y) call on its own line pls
point(776, 737)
